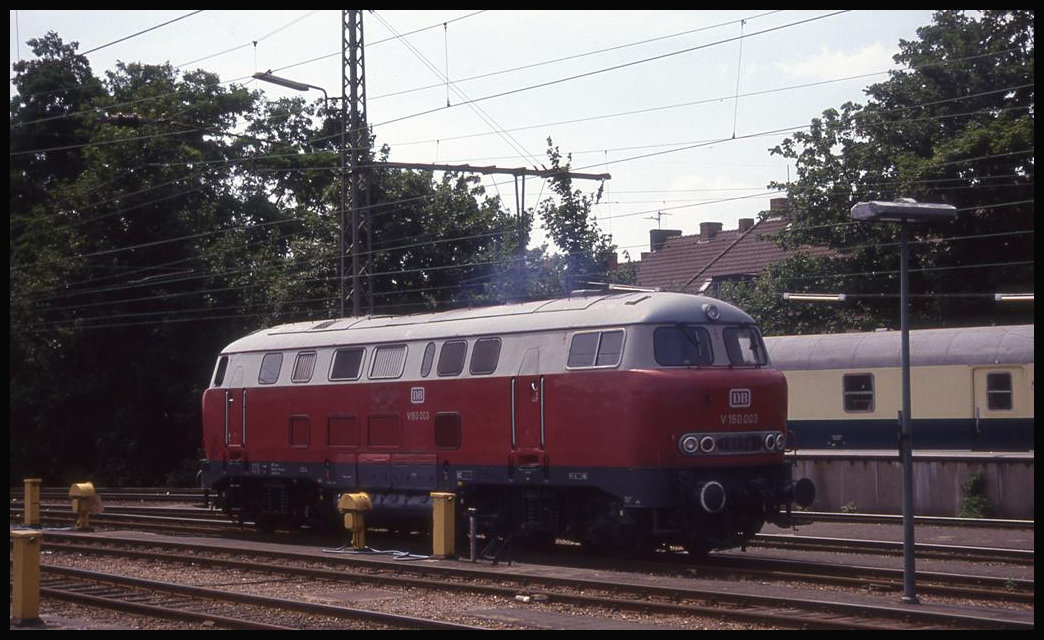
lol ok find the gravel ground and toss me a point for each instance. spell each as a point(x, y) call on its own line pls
point(486, 611)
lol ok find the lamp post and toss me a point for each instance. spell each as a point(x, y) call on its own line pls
point(904, 212)
point(304, 86)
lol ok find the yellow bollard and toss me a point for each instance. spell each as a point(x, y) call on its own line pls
point(32, 502)
point(25, 600)
point(444, 530)
point(85, 502)
point(354, 506)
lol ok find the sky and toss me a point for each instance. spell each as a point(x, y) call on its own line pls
point(680, 108)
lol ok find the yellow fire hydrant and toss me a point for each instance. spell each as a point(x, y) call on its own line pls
point(354, 506)
point(85, 502)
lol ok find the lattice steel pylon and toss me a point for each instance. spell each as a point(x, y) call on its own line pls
point(355, 159)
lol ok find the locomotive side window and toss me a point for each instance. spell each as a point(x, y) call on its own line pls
point(858, 391)
point(219, 373)
point(744, 346)
point(447, 430)
point(451, 358)
point(998, 391)
point(342, 431)
point(346, 364)
point(595, 349)
point(429, 357)
point(303, 366)
point(270, 366)
point(682, 345)
point(388, 361)
point(485, 355)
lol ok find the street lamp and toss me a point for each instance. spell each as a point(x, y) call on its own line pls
point(904, 212)
point(304, 86)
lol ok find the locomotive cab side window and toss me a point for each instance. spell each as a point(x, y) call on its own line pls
point(858, 392)
point(219, 372)
point(595, 349)
point(451, 358)
point(347, 363)
point(270, 366)
point(682, 345)
point(429, 358)
point(744, 346)
point(485, 355)
point(998, 391)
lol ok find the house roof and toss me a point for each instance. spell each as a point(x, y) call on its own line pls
point(684, 263)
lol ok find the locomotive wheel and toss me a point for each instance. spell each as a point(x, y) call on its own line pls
point(698, 549)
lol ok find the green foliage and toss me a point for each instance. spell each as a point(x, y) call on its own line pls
point(975, 503)
point(956, 127)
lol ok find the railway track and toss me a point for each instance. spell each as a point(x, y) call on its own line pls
point(224, 608)
point(676, 601)
point(196, 520)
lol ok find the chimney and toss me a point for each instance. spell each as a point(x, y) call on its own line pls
point(778, 205)
point(745, 224)
point(659, 237)
point(709, 229)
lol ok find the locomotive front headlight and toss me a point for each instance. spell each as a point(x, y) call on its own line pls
point(781, 441)
point(770, 441)
point(707, 444)
point(689, 444)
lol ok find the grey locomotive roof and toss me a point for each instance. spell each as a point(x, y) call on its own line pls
point(972, 345)
point(574, 313)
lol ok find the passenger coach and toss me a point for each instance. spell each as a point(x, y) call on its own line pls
point(622, 420)
point(971, 388)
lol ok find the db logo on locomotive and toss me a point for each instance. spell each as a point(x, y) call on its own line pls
point(739, 398)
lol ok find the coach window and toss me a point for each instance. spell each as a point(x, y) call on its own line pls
point(595, 349)
point(219, 372)
point(485, 355)
point(270, 366)
point(447, 430)
point(451, 358)
point(858, 392)
point(744, 346)
point(682, 346)
point(346, 364)
point(998, 391)
point(303, 366)
point(429, 357)
point(388, 361)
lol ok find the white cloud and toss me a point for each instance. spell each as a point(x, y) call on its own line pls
point(830, 64)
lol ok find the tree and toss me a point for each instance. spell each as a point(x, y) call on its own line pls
point(956, 128)
point(588, 254)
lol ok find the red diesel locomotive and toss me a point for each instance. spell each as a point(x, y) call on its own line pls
point(621, 420)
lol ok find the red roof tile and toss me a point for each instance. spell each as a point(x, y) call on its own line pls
point(684, 263)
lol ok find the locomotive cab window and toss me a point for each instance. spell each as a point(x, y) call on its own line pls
point(858, 392)
point(270, 366)
point(485, 355)
point(998, 391)
point(346, 364)
point(682, 345)
point(451, 358)
point(303, 367)
point(595, 349)
point(429, 357)
point(219, 371)
point(744, 346)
